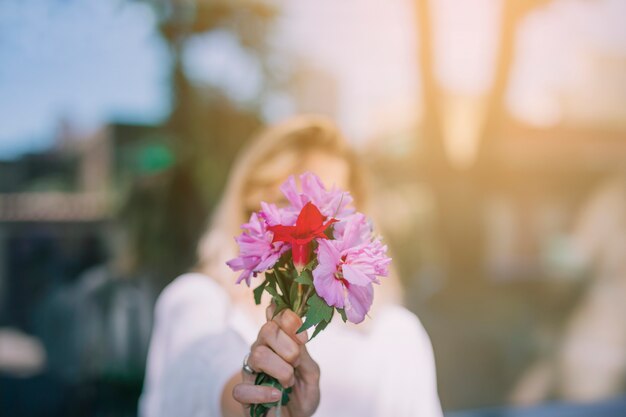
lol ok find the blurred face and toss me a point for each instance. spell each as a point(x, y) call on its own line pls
point(331, 169)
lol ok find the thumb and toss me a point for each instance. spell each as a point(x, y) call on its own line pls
point(269, 311)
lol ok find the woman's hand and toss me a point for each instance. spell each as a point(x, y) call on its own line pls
point(281, 353)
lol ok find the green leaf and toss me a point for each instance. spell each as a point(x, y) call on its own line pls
point(281, 281)
point(311, 265)
point(278, 299)
point(286, 393)
point(304, 278)
point(342, 312)
point(270, 278)
point(260, 377)
point(318, 311)
point(259, 410)
point(293, 295)
point(269, 381)
point(322, 325)
point(284, 259)
point(258, 291)
point(280, 308)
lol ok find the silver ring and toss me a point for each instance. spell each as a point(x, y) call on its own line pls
point(246, 368)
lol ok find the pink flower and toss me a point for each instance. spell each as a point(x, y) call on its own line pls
point(274, 215)
point(348, 266)
point(257, 252)
point(353, 230)
point(331, 203)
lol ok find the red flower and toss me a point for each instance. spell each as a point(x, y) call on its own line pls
point(309, 225)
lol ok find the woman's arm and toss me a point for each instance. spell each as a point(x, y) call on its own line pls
point(193, 384)
point(230, 407)
point(187, 346)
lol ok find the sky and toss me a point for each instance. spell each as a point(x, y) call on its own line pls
point(87, 61)
point(92, 61)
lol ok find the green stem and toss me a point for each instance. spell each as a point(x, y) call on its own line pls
point(295, 304)
point(301, 310)
point(281, 285)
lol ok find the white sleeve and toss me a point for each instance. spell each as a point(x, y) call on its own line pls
point(193, 386)
point(406, 371)
point(192, 309)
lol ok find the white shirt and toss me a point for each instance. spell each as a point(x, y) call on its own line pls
point(200, 337)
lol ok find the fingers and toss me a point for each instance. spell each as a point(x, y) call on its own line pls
point(263, 359)
point(273, 336)
point(279, 350)
point(308, 369)
point(289, 322)
point(247, 394)
point(245, 376)
point(269, 311)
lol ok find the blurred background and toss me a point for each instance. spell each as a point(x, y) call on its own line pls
point(494, 132)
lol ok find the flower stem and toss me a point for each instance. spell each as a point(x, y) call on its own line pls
point(302, 306)
point(281, 284)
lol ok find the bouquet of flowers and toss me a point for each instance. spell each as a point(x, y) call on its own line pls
point(318, 256)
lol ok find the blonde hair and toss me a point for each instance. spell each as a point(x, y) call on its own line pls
point(294, 138)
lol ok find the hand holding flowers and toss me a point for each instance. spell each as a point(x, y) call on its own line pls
point(280, 352)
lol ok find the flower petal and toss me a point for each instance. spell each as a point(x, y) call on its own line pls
point(328, 287)
point(290, 191)
point(327, 253)
point(274, 215)
point(301, 253)
point(354, 275)
point(310, 219)
point(353, 231)
point(256, 250)
point(358, 302)
point(282, 233)
point(326, 284)
point(245, 276)
point(312, 187)
point(271, 258)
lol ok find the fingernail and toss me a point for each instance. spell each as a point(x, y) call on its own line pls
point(276, 394)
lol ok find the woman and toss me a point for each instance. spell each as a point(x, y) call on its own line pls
point(205, 325)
